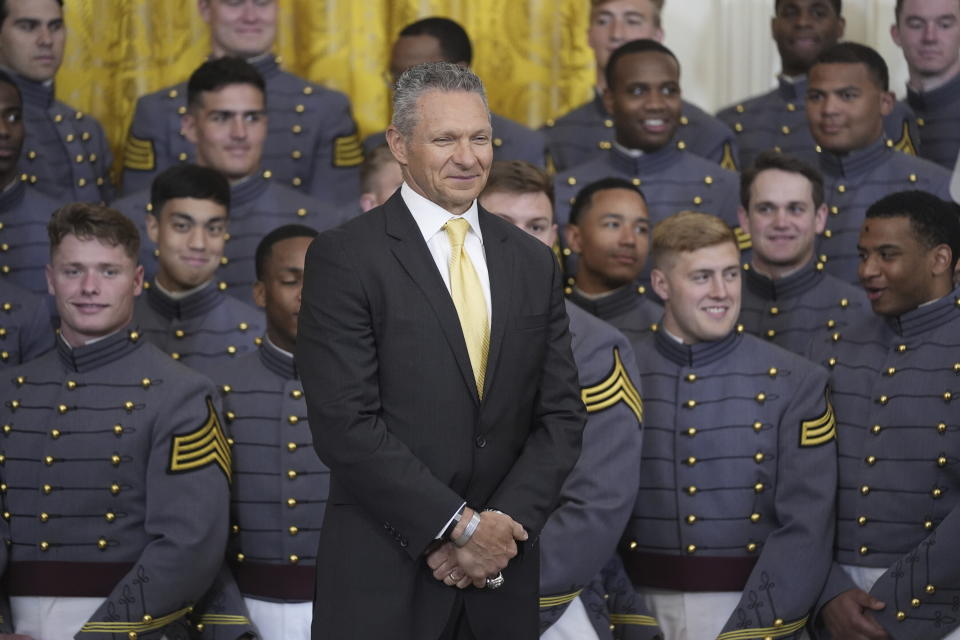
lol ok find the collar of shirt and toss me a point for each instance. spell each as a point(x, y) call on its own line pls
point(430, 217)
point(633, 153)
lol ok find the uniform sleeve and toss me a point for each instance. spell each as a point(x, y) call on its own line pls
point(796, 557)
point(147, 148)
point(596, 500)
point(36, 337)
point(222, 613)
point(188, 526)
point(338, 155)
point(615, 608)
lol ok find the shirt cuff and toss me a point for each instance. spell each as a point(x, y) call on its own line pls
point(452, 518)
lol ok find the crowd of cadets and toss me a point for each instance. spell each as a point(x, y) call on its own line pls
point(772, 441)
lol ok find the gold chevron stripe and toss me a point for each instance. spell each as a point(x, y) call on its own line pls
point(347, 151)
point(820, 430)
point(223, 619)
point(630, 618)
point(744, 241)
point(616, 387)
point(765, 632)
point(206, 445)
point(116, 627)
point(139, 155)
point(553, 601)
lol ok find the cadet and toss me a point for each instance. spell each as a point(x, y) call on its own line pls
point(802, 29)
point(846, 101)
point(66, 150)
point(894, 376)
point(738, 474)
point(24, 209)
point(928, 31)
point(443, 40)
point(312, 145)
point(609, 233)
point(586, 132)
point(227, 123)
point(787, 296)
point(582, 533)
point(184, 312)
point(105, 444)
point(643, 94)
point(379, 177)
point(25, 330)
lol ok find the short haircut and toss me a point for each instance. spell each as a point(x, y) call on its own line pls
point(632, 47)
point(774, 160)
point(519, 177)
point(898, 10)
point(279, 234)
point(935, 221)
point(657, 5)
point(584, 197)
point(373, 162)
point(836, 4)
point(689, 231)
point(854, 53)
point(5, 10)
point(88, 221)
point(454, 42)
point(430, 76)
point(189, 181)
point(6, 79)
point(218, 73)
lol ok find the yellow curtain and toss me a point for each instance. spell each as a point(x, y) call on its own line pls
point(531, 54)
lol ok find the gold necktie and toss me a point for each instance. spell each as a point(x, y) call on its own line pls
point(469, 301)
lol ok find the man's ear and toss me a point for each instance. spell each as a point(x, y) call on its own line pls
point(153, 227)
point(743, 218)
point(658, 280)
point(940, 258)
point(572, 235)
point(820, 218)
point(887, 102)
point(260, 294)
point(188, 126)
point(397, 144)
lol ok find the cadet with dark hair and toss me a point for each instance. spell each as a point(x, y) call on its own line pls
point(894, 376)
point(787, 295)
point(847, 97)
point(106, 443)
point(184, 312)
point(226, 120)
point(802, 29)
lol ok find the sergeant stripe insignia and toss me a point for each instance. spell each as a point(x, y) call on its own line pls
point(347, 151)
point(778, 631)
point(616, 387)
point(728, 161)
point(744, 241)
point(634, 619)
point(905, 144)
point(206, 445)
point(149, 624)
point(818, 431)
point(139, 154)
point(555, 601)
point(220, 619)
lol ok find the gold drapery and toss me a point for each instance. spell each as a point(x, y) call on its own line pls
point(532, 54)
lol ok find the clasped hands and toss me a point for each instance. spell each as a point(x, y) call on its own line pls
point(489, 550)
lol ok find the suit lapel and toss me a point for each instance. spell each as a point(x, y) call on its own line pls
point(500, 268)
point(414, 257)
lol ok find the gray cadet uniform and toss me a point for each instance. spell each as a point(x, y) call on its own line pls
point(511, 141)
point(587, 131)
point(64, 148)
point(627, 309)
point(311, 145)
point(938, 114)
point(207, 330)
point(854, 182)
point(582, 533)
point(790, 311)
point(258, 205)
point(24, 244)
point(25, 330)
point(895, 385)
point(778, 120)
point(737, 481)
point(103, 450)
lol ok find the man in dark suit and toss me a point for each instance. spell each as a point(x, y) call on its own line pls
point(441, 390)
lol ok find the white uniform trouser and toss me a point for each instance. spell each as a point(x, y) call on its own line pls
point(280, 620)
point(46, 618)
point(574, 624)
point(691, 615)
point(865, 577)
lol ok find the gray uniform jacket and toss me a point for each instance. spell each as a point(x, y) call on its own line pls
point(790, 311)
point(585, 132)
point(895, 382)
point(938, 115)
point(311, 145)
point(258, 205)
point(65, 149)
point(854, 182)
point(737, 481)
point(207, 330)
point(25, 330)
point(105, 450)
point(511, 141)
point(24, 244)
point(778, 120)
point(582, 532)
point(627, 309)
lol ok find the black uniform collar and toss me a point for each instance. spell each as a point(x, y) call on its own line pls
point(801, 281)
point(792, 91)
point(280, 363)
point(696, 355)
point(13, 196)
point(196, 304)
point(653, 162)
point(100, 353)
point(249, 189)
point(855, 162)
point(35, 94)
point(928, 317)
point(609, 306)
point(947, 94)
point(267, 65)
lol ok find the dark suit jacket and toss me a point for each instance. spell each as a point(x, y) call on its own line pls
point(395, 414)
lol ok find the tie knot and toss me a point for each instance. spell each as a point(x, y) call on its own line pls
point(456, 230)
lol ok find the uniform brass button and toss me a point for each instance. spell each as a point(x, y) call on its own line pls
point(115, 489)
point(232, 350)
point(296, 128)
point(267, 174)
point(86, 136)
point(129, 406)
point(691, 548)
point(928, 525)
point(3, 459)
point(292, 474)
point(915, 602)
point(301, 212)
point(691, 377)
point(44, 517)
point(937, 493)
point(691, 490)
point(942, 427)
point(224, 260)
point(291, 502)
point(865, 490)
point(294, 558)
point(299, 108)
point(921, 122)
point(296, 154)
point(240, 557)
point(835, 210)
point(871, 460)
point(862, 521)
point(48, 460)
point(692, 431)
point(235, 529)
point(681, 145)
point(758, 426)
point(134, 336)
point(58, 118)
point(902, 348)
point(498, 142)
point(47, 489)
point(738, 127)
point(772, 372)
point(182, 156)
point(691, 519)
point(109, 516)
point(61, 408)
point(291, 446)
point(751, 547)
point(44, 546)
point(71, 385)
point(115, 460)
point(835, 337)
point(697, 200)
point(117, 429)
point(175, 355)
point(827, 233)
point(636, 182)
point(884, 400)
point(691, 461)
point(901, 616)
point(942, 461)
point(758, 457)
point(754, 517)
point(785, 130)
point(691, 404)
point(913, 177)
point(21, 380)
point(929, 590)
point(243, 326)
point(758, 488)
point(891, 371)
point(842, 188)
point(293, 531)
point(864, 550)
point(293, 419)
point(82, 182)
point(708, 180)
point(101, 544)
point(956, 368)
point(571, 181)
point(761, 397)
point(875, 429)
point(296, 394)
point(608, 123)
point(7, 428)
